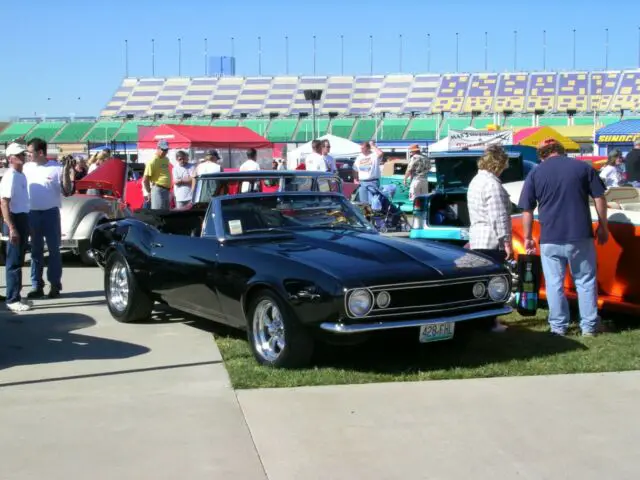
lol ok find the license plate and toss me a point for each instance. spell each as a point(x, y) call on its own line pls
point(435, 332)
point(464, 234)
point(69, 243)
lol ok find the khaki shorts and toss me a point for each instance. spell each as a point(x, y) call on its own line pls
point(419, 186)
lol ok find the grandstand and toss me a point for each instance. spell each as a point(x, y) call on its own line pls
point(385, 107)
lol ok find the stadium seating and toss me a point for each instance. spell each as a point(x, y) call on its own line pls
point(103, 131)
point(44, 130)
point(16, 130)
point(73, 132)
point(359, 107)
point(393, 128)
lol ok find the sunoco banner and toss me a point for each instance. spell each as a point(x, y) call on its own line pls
point(478, 139)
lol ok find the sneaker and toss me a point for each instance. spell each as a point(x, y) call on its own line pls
point(36, 293)
point(558, 334)
point(54, 293)
point(600, 329)
point(18, 307)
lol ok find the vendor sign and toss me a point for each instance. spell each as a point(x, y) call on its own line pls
point(478, 139)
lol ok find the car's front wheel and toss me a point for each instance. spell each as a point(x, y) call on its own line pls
point(276, 337)
point(126, 301)
point(85, 254)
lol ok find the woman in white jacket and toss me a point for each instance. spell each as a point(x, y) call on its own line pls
point(611, 174)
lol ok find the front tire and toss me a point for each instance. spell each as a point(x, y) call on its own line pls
point(126, 301)
point(85, 254)
point(276, 337)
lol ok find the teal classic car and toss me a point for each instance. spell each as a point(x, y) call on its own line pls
point(443, 214)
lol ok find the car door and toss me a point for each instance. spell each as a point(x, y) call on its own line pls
point(183, 272)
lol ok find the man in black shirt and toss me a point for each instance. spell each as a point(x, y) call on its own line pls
point(633, 162)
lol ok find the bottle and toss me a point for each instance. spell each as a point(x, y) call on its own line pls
point(528, 285)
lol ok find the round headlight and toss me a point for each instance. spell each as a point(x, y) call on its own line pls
point(360, 302)
point(498, 289)
point(383, 299)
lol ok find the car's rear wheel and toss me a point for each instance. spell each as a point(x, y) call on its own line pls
point(126, 301)
point(276, 337)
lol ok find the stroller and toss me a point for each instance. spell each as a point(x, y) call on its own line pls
point(386, 216)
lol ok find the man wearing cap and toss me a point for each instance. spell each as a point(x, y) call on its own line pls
point(417, 171)
point(157, 178)
point(209, 164)
point(14, 204)
point(183, 174)
point(47, 182)
point(632, 162)
point(560, 188)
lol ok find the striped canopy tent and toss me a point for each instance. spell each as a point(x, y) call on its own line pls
point(532, 136)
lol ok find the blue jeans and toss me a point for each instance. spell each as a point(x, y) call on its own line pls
point(363, 191)
point(581, 258)
point(45, 225)
point(15, 256)
point(160, 198)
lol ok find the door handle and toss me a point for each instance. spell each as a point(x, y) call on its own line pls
point(156, 245)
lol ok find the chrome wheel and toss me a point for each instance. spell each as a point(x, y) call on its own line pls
point(268, 330)
point(119, 287)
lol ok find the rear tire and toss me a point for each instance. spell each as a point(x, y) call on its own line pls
point(276, 336)
point(126, 301)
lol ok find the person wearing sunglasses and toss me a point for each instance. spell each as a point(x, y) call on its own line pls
point(328, 159)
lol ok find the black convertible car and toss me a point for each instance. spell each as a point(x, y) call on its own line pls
point(293, 268)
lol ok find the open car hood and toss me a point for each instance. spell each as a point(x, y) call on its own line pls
point(111, 175)
point(455, 170)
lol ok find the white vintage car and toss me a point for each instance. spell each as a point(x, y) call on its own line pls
point(81, 212)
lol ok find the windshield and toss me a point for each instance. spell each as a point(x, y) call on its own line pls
point(455, 171)
point(214, 187)
point(246, 215)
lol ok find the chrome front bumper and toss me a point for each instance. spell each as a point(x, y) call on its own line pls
point(372, 327)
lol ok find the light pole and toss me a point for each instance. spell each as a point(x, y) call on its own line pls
point(206, 70)
point(457, 49)
point(313, 96)
point(126, 58)
point(179, 56)
point(574, 48)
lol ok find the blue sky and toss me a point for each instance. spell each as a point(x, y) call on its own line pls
point(68, 57)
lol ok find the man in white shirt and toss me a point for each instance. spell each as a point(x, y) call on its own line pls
point(329, 162)
point(249, 165)
point(47, 182)
point(14, 204)
point(210, 163)
point(183, 174)
point(315, 162)
point(366, 169)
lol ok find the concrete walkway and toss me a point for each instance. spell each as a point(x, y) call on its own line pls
point(82, 396)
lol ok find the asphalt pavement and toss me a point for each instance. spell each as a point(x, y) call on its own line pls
point(82, 396)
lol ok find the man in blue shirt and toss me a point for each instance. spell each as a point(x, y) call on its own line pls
point(560, 188)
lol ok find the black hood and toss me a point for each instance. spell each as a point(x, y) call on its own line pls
point(357, 258)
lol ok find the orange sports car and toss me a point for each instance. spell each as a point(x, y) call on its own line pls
point(618, 259)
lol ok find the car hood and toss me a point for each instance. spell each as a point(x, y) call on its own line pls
point(111, 175)
point(358, 259)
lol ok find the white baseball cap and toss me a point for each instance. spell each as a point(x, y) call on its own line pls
point(15, 149)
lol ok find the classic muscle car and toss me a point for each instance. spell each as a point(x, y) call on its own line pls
point(443, 214)
point(618, 259)
point(293, 268)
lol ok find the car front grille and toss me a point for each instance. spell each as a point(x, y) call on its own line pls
point(433, 297)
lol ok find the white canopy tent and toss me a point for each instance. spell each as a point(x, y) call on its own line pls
point(340, 147)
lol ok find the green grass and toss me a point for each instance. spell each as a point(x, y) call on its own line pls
point(525, 349)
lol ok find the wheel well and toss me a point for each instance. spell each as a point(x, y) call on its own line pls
point(253, 290)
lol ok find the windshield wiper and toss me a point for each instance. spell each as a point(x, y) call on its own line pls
point(267, 230)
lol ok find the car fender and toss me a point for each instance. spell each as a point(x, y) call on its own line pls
point(87, 224)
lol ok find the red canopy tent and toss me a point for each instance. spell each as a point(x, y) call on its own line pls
point(189, 136)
